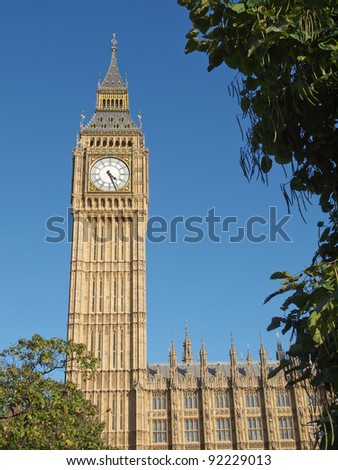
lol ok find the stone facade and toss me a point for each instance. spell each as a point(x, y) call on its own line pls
point(187, 405)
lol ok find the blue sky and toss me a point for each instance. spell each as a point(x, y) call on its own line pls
point(52, 53)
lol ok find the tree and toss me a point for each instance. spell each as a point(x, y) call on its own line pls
point(38, 411)
point(286, 57)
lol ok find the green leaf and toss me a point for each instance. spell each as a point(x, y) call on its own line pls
point(280, 275)
point(192, 33)
point(245, 104)
point(191, 45)
point(275, 323)
point(266, 164)
point(237, 7)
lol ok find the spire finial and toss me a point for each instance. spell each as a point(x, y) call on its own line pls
point(114, 43)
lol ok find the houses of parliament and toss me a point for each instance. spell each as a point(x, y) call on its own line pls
point(188, 403)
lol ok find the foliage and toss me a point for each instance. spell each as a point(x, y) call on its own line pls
point(39, 412)
point(313, 321)
point(286, 57)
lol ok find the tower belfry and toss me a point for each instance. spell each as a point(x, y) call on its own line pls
point(107, 309)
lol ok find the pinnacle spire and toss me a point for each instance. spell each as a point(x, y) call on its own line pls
point(187, 347)
point(203, 350)
point(248, 356)
point(113, 80)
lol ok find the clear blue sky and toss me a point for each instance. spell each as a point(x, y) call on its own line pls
point(52, 53)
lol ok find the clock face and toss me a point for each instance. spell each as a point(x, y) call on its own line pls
point(109, 174)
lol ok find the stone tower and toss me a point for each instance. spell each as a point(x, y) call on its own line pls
point(107, 306)
point(179, 405)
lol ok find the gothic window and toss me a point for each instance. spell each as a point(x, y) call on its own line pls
point(101, 296)
point(94, 242)
point(104, 143)
point(221, 400)
point(159, 431)
point(121, 350)
point(98, 142)
point(115, 241)
point(190, 400)
point(122, 239)
point(110, 142)
point(130, 143)
point(191, 430)
point(122, 294)
point(99, 346)
point(104, 103)
point(285, 428)
point(254, 429)
point(251, 400)
point(102, 243)
point(92, 142)
point(282, 398)
point(117, 143)
point(121, 103)
point(129, 203)
point(115, 294)
point(159, 402)
point(313, 399)
point(121, 413)
point(222, 429)
point(113, 414)
point(93, 295)
point(114, 350)
point(123, 143)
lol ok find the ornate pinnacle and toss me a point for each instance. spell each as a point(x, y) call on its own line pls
point(113, 42)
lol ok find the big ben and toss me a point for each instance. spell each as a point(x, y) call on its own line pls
point(188, 404)
point(107, 305)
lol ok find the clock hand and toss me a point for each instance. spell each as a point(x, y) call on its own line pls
point(112, 178)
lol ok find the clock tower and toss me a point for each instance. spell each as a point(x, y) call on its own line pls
point(107, 305)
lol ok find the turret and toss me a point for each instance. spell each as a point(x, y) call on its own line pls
point(187, 357)
point(203, 361)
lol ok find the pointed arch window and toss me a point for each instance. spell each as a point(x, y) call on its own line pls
point(113, 414)
point(190, 400)
point(122, 294)
point(121, 414)
point(159, 401)
point(221, 400)
point(222, 429)
point(95, 242)
point(99, 345)
point(251, 400)
point(93, 294)
point(121, 350)
point(101, 296)
point(115, 295)
point(115, 240)
point(102, 244)
point(114, 350)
